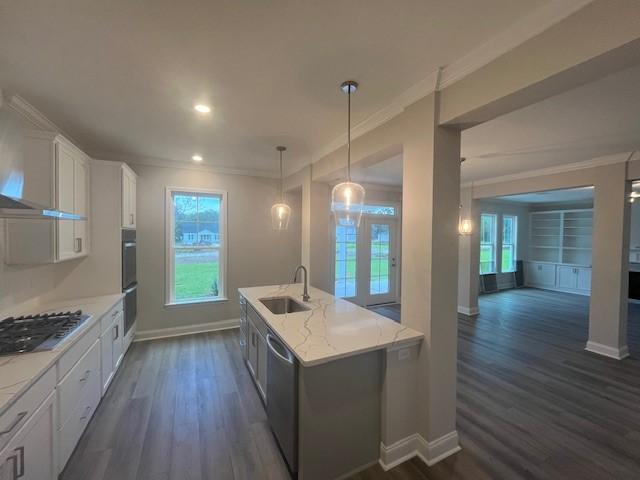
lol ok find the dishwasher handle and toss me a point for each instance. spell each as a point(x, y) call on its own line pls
point(271, 341)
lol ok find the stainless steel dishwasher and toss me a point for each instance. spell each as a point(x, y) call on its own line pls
point(282, 399)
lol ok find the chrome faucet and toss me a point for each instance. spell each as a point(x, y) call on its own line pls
point(305, 295)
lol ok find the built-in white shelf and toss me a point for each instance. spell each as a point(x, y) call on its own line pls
point(561, 236)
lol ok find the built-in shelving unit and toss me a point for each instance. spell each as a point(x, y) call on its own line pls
point(560, 250)
point(561, 236)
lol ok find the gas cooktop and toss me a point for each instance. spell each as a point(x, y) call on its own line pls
point(36, 333)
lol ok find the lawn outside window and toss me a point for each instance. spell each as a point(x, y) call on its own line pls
point(195, 246)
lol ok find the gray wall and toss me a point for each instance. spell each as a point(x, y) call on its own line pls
point(257, 255)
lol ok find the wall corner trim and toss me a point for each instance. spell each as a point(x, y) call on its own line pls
point(468, 311)
point(415, 445)
point(143, 335)
point(618, 353)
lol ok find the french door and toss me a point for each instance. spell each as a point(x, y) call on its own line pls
point(366, 261)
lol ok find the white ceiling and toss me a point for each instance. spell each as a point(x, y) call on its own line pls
point(574, 195)
point(121, 76)
point(597, 119)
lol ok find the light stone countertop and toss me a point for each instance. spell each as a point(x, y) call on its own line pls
point(333, 328)
point(19, 372)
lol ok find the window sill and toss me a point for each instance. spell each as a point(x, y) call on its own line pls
point(195, 302)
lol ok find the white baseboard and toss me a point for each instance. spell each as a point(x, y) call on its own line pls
point(415, 445)
point(186, 330)
point(613, 352)
point(470, 312)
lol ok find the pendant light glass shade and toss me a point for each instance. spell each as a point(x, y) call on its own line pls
point(280, 212)
point(347, 198)
point(465, 227)
point(347, 202)
point(280, 215)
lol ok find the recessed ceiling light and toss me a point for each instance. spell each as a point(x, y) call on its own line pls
point(197, 158)
point(202, 108)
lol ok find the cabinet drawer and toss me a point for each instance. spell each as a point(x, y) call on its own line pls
point(77, 351)
point(77, 381)
point(82, 412)
point(17, 415)
point(110, 317)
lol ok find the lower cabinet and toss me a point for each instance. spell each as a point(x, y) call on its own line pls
point(30, 455)
point(257, 360)
point(560, 277)
point(111, 344)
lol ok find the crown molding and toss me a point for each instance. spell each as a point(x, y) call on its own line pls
point(525, 29)
point(164, 163)
point(569, 167)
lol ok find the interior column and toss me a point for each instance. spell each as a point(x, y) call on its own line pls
point(469, 257)
point(431, 192)
point(610, 269)
point(316, 230)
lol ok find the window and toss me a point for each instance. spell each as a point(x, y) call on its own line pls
point(346, 254)
point(488, 243)
point(387, 210)
point(509, 239)
point(196, 247)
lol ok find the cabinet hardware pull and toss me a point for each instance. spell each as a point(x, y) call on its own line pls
point(15, 423)
point(131, 219)
point(20, 451)
point(86, 375)
point(14, 459)
point(86, 413)
point(116, 330)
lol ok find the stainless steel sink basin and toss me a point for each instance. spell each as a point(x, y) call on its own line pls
point(282, 305)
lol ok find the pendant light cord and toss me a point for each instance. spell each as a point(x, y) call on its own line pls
point(349, 135)
point(281, 180)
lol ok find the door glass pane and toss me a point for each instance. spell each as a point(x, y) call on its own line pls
point(380, 246)
point(346, 252)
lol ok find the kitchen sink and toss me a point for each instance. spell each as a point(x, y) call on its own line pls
point(282, 305)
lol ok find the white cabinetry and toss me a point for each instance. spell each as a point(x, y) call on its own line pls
point(111, 344)
point(56, 176)
point(560, 250)
point(30, 455)
point(566, 278)
point(128, 198)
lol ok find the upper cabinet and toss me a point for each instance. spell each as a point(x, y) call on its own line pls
point(128, 198)
point(56, 175)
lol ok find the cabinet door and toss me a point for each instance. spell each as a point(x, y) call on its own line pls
point(567, 277)
point(261, 379)
point(584, 279)
point(132, 201)
point(126, 197)
point(547, 275)
point(635, 226)
point(81, 176)
point(117, 332)
point(253, 350)
point(30, 455)
point(65, 187)
point(106, 362)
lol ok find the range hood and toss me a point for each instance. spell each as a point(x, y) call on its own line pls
point(12, 203)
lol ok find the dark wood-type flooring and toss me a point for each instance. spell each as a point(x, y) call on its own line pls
point(532, 404)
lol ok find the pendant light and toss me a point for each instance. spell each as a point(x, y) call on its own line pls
point(280, 212)
point(347, 198)
point(465, 225)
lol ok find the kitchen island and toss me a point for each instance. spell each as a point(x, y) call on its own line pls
point(321, 372)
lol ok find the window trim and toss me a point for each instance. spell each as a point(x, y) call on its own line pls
point(169, 226)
